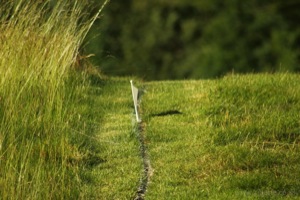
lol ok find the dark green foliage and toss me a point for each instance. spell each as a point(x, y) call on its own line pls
point(158, 39)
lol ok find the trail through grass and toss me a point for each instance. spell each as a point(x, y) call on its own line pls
point(232, 138)
point(65, 134)
point(118, 175)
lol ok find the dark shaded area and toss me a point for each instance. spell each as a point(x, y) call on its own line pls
point(167, 113)
point(89, 160)
point(179, 39)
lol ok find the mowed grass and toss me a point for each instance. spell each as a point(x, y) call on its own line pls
point(233, 138)
point(117, 173)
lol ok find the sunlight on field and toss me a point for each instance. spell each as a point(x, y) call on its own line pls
point(237, 137)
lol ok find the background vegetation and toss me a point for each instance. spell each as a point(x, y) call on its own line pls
point(158, 39)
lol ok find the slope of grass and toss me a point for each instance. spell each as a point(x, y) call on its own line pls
point(233, 138)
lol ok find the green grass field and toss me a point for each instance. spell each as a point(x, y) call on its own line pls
point(237, 138)
point(231, 138)
point(67, 132)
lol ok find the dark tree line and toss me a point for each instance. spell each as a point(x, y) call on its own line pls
point(164, 39)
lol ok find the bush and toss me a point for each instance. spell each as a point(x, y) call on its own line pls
point(197, 39)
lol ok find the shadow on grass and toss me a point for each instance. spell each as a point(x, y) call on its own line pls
point(167, 113)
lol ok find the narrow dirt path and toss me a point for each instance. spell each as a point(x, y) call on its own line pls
point(145, 178)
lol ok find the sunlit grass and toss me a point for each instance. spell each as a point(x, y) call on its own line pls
point(236, 138)
point(118, 175)
point(39, 94)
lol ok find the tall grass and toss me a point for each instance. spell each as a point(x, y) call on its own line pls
point(39, 43)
